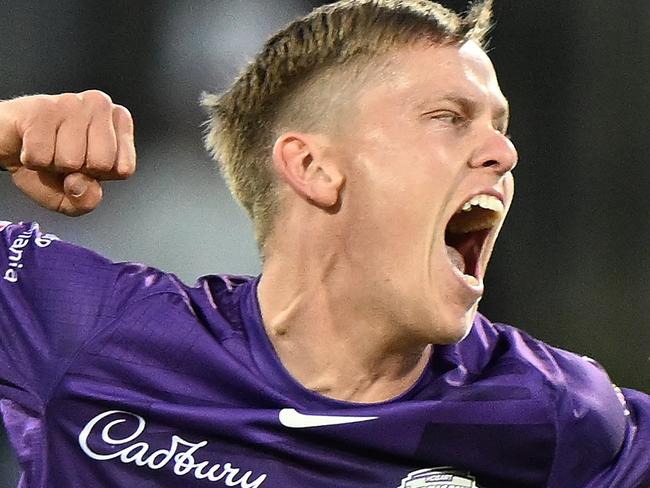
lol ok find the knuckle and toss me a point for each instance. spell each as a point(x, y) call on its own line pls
point(69, 164)
point(125, 171)
point(101, 165)
point(32, 162)
point(36, 156)
point(97, 99)
point(67, 102)
point(123, 119)
point(43, 106)
point(52, 110)
point(123, 112)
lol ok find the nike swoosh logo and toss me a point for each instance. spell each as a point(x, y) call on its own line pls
point(293, 419)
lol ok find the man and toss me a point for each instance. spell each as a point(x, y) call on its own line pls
point(368, 141)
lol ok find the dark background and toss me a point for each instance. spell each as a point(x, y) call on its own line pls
point(572, 264)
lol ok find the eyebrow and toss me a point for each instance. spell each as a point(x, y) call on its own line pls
point(471, 106)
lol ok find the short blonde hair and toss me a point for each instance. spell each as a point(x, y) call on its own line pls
point(243, 122)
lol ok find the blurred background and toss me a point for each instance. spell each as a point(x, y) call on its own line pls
point(572, 264)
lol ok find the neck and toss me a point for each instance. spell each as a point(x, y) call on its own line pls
point(330, 333)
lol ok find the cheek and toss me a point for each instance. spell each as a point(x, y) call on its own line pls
point(509, 189)
point(406, 174)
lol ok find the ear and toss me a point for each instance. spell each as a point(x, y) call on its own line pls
point(300, 160)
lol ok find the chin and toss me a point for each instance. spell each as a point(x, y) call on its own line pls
point(455, 329)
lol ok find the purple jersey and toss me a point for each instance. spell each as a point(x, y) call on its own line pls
point(119, 375)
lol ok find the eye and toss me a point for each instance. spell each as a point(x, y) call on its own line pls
point(453, 118)
point(504, 132)
point(501, 125)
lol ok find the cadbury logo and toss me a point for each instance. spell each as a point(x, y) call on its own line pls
point(180, 454)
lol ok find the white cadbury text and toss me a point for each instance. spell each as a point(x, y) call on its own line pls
point(139, 452)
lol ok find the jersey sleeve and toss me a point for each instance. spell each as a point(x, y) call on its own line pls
point(54, 296)
point(631, 467)
point(603, 432)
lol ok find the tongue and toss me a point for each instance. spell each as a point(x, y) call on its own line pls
point(456, 258)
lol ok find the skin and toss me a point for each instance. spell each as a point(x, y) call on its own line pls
point(354, 301)
point(59, 148)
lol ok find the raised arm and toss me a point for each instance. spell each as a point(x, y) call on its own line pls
point(58, 148)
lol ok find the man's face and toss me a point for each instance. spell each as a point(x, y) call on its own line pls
point(427, 140)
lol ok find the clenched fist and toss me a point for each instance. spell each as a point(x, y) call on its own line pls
point(59, 147)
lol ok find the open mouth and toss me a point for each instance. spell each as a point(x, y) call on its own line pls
point(467, 232)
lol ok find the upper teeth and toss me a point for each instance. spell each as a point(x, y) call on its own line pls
point(484, 201)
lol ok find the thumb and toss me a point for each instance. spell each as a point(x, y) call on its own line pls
point(81, 194)
point(73, 194)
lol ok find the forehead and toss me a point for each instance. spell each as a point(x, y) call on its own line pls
point(420, 73)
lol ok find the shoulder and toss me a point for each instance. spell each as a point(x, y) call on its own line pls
point(590, 413)
point(560, 370)
point(43, 268)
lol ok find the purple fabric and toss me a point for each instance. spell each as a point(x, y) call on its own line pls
point(118, 375)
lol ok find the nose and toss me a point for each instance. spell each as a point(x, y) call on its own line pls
point(497, 152)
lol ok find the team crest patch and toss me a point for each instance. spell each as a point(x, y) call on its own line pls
point(443, 477)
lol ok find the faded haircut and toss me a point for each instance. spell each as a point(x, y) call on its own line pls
point(266, 100)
